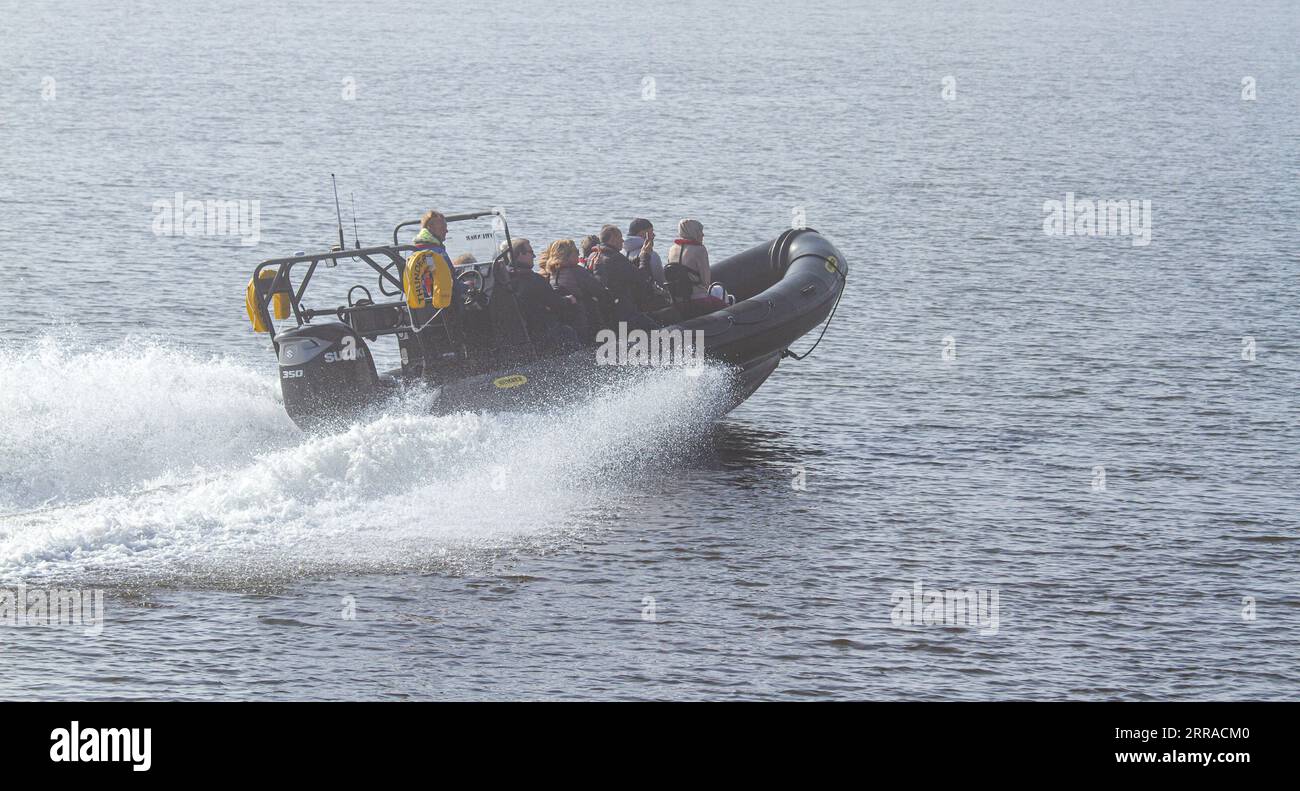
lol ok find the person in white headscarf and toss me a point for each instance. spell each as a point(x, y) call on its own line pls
point(687, 271)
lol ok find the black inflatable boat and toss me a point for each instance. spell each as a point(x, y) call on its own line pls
point(476, 354)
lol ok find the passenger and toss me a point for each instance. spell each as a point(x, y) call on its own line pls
point(630, 286)
point(638, 245)
point(585, 247)
point(594, 307)
point(542, 308)
point(640, 251)
point(433, 229)
point(461, 288)
point(687, 271)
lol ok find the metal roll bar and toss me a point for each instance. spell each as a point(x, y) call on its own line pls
point(473, 215)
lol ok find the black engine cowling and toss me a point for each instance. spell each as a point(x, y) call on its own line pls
point(327, 374)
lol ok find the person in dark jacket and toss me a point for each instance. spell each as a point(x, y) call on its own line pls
point(629, 284)
point(540, 305)
point(639, 249)
point(639, 246)
point(594, 308)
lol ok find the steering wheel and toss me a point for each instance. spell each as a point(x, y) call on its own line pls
point(472, 278)
point(475, 299)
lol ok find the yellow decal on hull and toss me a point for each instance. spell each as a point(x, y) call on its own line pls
point(507, 382)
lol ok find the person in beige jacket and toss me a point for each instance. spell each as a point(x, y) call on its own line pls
point(687, 271)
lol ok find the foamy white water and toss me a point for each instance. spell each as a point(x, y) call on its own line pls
point(154, 466)
point(80, 420)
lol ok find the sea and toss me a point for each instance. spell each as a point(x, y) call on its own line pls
point(1046, 450)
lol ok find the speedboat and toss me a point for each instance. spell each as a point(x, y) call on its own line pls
point(476, 354)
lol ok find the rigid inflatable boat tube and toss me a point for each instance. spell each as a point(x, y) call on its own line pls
point(784, 289)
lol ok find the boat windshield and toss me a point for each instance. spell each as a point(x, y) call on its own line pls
point(482, 238)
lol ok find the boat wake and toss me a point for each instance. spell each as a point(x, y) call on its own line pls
point(144, 465)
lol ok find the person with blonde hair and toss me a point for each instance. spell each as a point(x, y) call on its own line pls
point(433, 229)
point(543, 309)
point(593, 304)
point(544, 260)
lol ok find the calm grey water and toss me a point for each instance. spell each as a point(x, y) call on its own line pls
point(143, 450)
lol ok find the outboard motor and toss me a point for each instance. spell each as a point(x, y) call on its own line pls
point(327, 374)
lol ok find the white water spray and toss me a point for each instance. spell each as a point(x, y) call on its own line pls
point(148, 466)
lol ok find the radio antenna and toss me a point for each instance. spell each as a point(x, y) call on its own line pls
point(355, 236)
point(338, 211)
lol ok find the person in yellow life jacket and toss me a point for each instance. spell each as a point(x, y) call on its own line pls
point(433, 230)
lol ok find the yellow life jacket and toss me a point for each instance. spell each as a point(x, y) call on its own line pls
point(279, 303)
point(427, 280)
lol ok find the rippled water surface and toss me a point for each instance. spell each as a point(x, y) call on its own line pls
point(952, 429)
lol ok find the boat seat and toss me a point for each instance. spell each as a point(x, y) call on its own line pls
point(366, 319)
